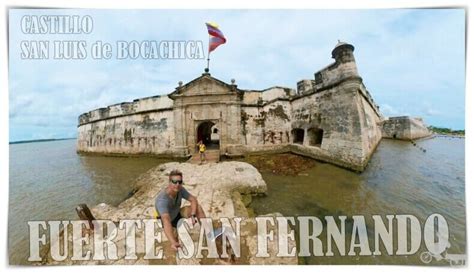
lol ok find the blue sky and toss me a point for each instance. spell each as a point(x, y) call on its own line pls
point(412, 60)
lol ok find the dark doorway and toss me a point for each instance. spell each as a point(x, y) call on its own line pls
point(315, 136)
point(298, 135)
point(208, 133)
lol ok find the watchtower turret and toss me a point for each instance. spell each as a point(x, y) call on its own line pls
point(345, 66)
point(343, 52)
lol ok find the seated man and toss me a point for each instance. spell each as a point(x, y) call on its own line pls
point(168, 205)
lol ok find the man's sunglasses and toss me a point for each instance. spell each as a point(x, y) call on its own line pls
point(176, 181)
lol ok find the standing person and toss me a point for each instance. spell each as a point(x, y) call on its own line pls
point(168, 205)
point(202, 151)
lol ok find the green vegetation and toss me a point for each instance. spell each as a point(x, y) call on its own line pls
point(446, 131)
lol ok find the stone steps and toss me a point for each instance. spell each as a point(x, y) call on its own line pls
point(212, 156)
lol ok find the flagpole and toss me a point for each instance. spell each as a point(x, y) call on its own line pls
point(208, 54)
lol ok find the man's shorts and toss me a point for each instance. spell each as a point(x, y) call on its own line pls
point(174, 222)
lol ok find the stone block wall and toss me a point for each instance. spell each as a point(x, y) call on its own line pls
point(405, 128)
point(144, 126)
point(150, 133)
point(127, 108)
point(266, 125)
point(346, 120)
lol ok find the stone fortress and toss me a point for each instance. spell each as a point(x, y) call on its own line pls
point(331, 118)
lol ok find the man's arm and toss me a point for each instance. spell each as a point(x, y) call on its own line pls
point(194, 204)
point(188, 196)
point(196, 209)
point(166, 219)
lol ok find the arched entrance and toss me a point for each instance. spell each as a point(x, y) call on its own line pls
point(209, 133)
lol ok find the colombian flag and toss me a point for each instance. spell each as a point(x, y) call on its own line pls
point(216, 36)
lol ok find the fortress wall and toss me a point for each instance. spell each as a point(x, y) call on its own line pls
point(276, 128)
point(332, 112)
point(371, 125)
point(266, 125)
point(266, 95)
point(348, 122)
point(397, 128)
point(338, 107)
point(369, 100)
point(305, 86)
point(335, 73)
point(150, 133)
point(251, 97)
point(276, 92)
point(418, 128)
point(127, 108)
point(250, 126)
point(155, 102)
point(405, 128)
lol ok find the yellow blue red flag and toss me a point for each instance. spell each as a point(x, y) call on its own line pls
point(216, 36)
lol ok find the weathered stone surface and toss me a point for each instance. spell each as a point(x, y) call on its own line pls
point(218, 187)
point(405, 128)
point(331, 118)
